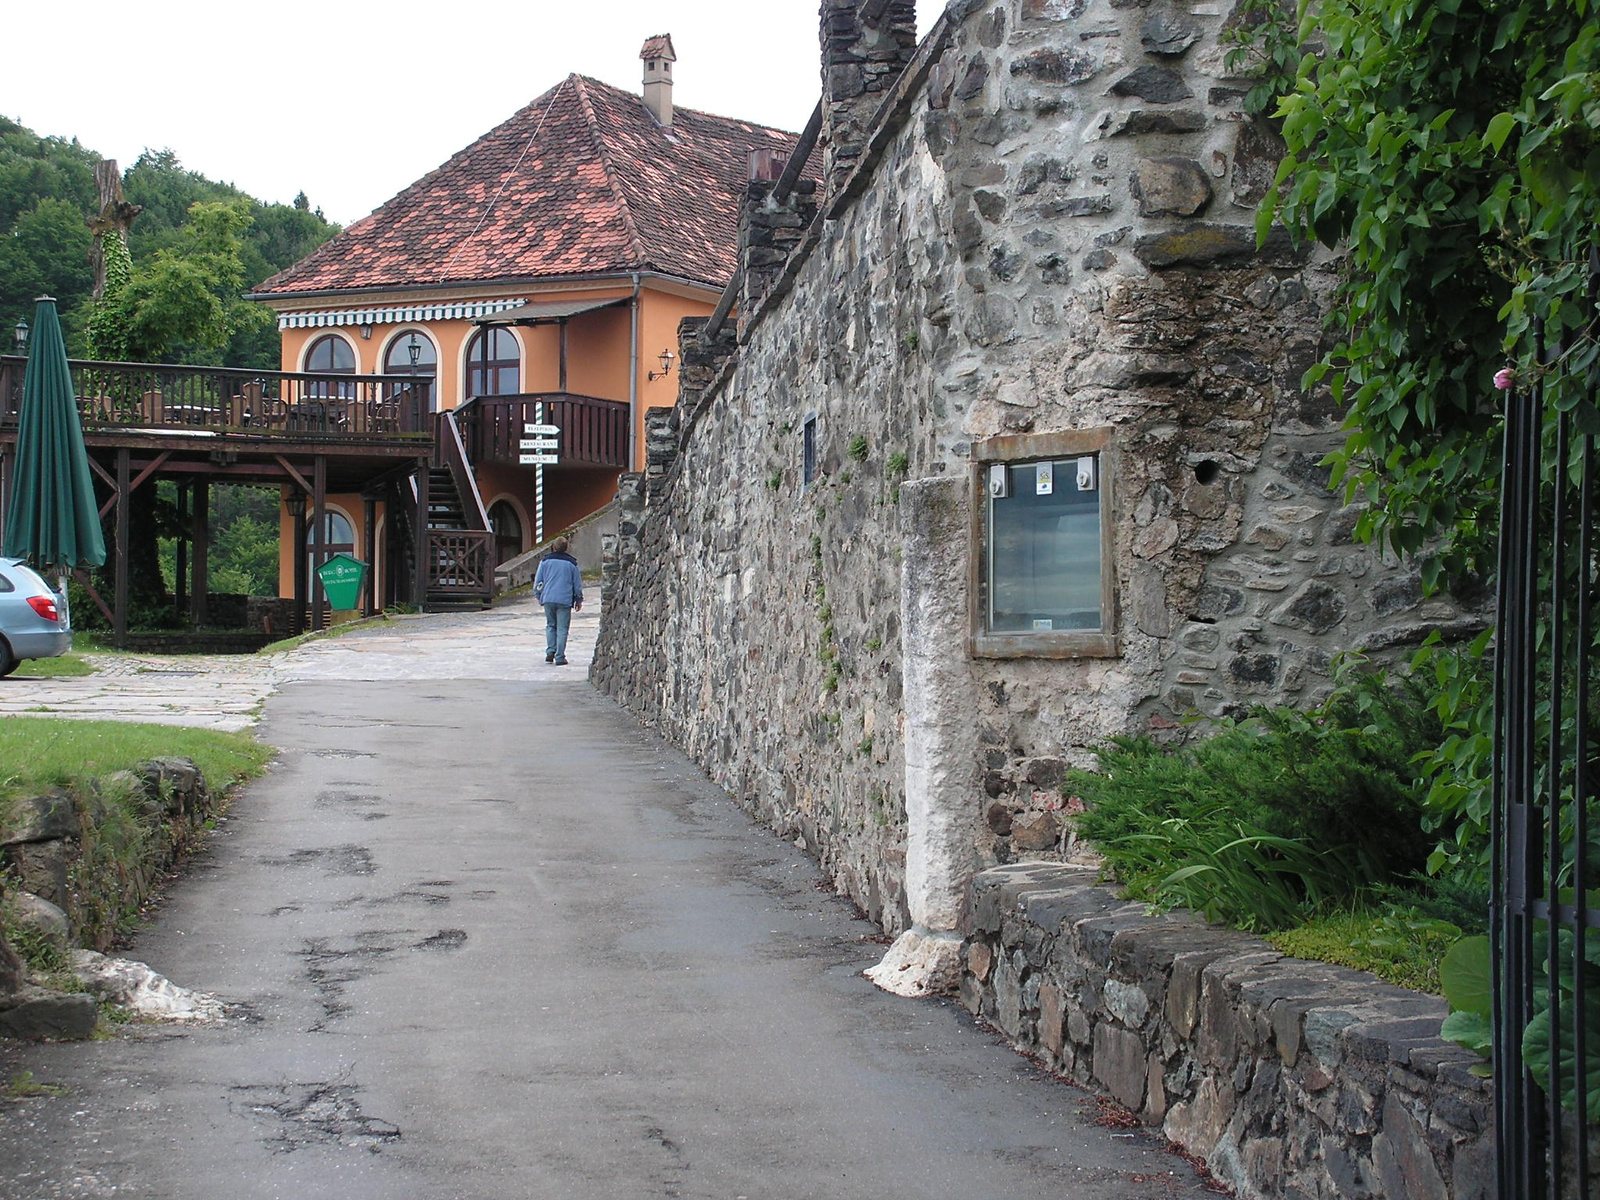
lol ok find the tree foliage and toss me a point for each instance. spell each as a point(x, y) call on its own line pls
point(1448, 149)
point(47, 194)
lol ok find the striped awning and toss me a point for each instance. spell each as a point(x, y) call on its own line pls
point(466, 310)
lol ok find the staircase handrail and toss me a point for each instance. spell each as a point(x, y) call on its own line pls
point(450, 448)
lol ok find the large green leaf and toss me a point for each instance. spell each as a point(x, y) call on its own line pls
point(1465, 977)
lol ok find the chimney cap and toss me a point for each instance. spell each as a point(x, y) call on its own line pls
point(659, 47)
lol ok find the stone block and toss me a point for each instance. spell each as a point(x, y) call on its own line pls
point(1157, 84)
point(42, 818)
point(1206, 244)
point(1169, 33)
point(1403, 1158)
point(1036, 831)
point(34, 1012)
point(1119, 1063)
point(1170, 187)
point(1126, 1002)
point(980, 958)
point(1069, 64)
point(1051, 1027)
point(1198, 1123)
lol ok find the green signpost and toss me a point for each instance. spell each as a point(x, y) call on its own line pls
point(343, 578)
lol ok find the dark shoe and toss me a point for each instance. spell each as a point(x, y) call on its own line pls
point(561, 662)
point(549, 658)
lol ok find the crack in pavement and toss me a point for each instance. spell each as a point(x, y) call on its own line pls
point(313, 1114)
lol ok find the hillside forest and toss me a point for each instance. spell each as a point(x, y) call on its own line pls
point(196, 248)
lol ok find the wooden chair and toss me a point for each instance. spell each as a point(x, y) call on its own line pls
point(246, 405)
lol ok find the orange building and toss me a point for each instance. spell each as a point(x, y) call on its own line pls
point(536, 278)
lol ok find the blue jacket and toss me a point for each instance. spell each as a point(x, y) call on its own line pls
point(558, 580)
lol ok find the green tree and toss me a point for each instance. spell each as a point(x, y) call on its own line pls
point(1448, 149)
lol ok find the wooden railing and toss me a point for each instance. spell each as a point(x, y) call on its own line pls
point(460, 564)
point(223, 399)
point(594, 432)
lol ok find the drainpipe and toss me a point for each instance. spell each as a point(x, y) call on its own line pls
point(633, 374)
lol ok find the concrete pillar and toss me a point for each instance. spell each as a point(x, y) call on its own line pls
point(940, 738)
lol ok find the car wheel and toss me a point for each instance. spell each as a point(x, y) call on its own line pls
point(8, 660)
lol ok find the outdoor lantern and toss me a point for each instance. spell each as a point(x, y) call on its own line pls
point(414, 348)
point(666, 357)
point(22, 335)
point(296, 500)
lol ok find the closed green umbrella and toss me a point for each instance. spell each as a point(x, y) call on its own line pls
point(52, 517)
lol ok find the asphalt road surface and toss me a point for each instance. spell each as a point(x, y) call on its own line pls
point(485, 938)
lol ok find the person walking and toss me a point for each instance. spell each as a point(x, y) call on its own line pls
point(558, 584)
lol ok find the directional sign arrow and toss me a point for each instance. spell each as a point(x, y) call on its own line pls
point(539, 444)
point(531, 430)
point(538, 460)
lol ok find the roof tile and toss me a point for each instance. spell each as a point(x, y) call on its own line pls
point(581, 181)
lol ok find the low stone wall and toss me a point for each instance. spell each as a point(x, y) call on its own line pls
point(43, 847)
point(1290, 1078)
point(190, 641)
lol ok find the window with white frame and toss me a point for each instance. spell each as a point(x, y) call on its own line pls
point(1044, 575)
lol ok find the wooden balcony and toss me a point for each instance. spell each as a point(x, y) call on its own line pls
point(161, 399)
point(594, 432)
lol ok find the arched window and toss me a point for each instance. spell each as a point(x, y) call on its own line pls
point(507, 526)
point(329, 355)
point(494, 363)
point(338, 537)
point(397, 361)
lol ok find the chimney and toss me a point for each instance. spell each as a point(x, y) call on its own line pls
point(658, 59)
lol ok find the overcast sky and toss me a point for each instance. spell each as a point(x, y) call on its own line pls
point(353, 101)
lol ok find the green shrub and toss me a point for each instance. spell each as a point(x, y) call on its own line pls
point(1274, 818)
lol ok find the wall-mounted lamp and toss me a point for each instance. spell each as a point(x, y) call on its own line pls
point(414, 348)
point(366, 331)
point(666, 357)
point(296, 501)
point(22, 336)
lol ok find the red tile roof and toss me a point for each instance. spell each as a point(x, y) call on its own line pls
point(581, 181)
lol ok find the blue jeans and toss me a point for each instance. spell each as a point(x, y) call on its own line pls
point(557, 617)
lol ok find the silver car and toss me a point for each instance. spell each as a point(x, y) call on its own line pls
point(33, 618)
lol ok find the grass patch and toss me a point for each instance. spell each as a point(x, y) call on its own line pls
point(63, 666)
point(43, 752)
point(312, 635)
point(23, 1086)
point(1403, 948)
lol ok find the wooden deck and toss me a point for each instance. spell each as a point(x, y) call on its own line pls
point(594, 432)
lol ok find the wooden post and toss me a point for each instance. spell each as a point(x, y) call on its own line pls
point(201, 503)
point(298, 536)
point(119, 624)
point(180, 581)
point(420, 588)
point(5, 482)
point(369, 538)
point(319, 535)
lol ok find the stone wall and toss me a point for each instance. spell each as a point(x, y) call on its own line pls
point(1048, 227)
point(1290, 1078)
point(71, 872)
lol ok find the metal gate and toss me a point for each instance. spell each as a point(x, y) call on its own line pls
point(1546, 953)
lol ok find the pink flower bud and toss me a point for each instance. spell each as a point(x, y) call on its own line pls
point(1504, 378)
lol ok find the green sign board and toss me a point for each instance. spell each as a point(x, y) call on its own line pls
point(343, 578)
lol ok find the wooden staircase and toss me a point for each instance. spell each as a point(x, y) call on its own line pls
point(460, 554)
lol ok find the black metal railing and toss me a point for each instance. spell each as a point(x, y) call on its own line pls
point(594, 432)
point(1545, 949)
point(228, 400)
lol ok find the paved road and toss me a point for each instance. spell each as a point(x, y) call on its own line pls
point(487, 939)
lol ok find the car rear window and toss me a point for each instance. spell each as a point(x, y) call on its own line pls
point(5, 584)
